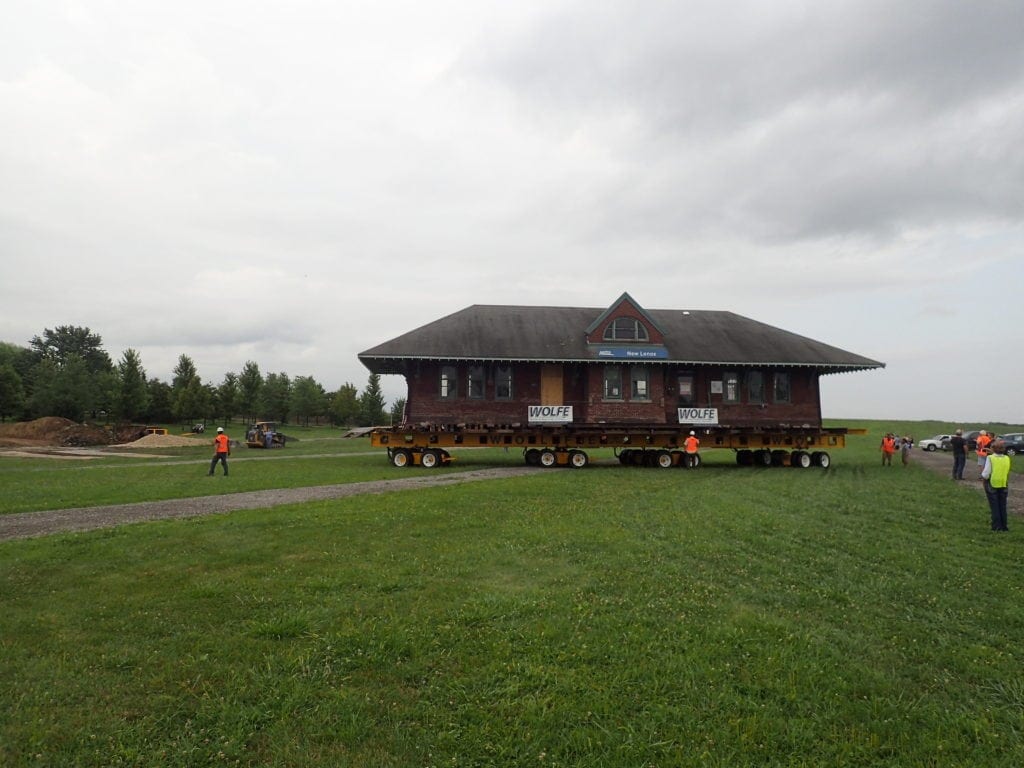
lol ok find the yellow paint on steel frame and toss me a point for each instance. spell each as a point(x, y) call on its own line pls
point(795, 439)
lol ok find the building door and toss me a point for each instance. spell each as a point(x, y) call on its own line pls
point(551, 384)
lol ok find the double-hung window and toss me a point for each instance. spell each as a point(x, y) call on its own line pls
point(781, 388)
point(475, 382)
point(755, 387)
point(612, 382)
point(449, 382)
point(503, 382)
point(639, 383)
point(731, 387)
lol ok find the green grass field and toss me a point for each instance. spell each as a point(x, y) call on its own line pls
point(859, 616)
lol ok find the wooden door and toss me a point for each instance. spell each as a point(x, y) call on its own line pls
point(551, 384)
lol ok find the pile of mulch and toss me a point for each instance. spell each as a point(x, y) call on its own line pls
point(53, 430)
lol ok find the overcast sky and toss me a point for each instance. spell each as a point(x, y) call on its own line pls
point(292, 183)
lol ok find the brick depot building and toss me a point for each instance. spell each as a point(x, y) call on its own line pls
point(624, 365)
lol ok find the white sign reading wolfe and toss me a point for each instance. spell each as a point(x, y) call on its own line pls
point(707, 416)
point(550, 414)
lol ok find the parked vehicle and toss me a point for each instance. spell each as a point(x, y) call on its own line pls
point(1014, 442)
point(935, 443)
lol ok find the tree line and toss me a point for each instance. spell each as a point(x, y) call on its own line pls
point(66, 372)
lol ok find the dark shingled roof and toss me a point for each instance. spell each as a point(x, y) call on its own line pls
point(550, 334)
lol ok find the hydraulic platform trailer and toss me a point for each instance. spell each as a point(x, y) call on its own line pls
point(567, 446)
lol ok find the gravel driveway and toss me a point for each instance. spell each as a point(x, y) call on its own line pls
point(942, 463)
point(28, 524)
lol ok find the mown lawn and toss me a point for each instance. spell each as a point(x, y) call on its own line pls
point(606, 617)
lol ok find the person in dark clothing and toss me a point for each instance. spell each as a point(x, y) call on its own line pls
point(959, 454)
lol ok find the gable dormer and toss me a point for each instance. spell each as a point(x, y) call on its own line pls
point(625, 322)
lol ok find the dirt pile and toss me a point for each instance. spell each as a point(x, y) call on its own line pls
point(53, 430)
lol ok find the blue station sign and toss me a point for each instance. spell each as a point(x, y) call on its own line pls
point(632, 353)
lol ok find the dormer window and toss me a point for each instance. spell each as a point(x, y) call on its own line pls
point(625, 329)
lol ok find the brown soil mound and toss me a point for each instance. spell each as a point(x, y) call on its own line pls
point(40, 429)
point(53, 430)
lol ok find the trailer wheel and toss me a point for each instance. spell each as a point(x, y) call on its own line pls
point(763, 458)
point(578, 459)
point(401, 458)
point(548, 458)
point(780, 458)
point(430, 459)
point(800, 459)
point(745, 457)
point(697, 461)
point(532, 457)
point(663, 459)
point(821, 459)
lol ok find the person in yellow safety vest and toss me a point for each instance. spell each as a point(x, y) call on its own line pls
point(996, 479)
point(981, 447)
point(691, 444)
point(888, 449)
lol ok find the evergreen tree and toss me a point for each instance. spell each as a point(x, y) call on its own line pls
point(371, 402)
point(398, 411)
point(228, 394)
point(191, 402)
point(132, 395)
point(250, 384)
point(184, 372)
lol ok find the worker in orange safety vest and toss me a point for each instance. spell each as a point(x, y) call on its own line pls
point(888, 449)
point(691, 444)
point(981, 447)
point(222, 449)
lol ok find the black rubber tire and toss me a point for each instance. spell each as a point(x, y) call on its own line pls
point(401, 458)
point(430, 459)
point(548, 458)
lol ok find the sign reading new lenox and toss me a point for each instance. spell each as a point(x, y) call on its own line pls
point(632, 353)
point(705, 416)
point(550, 414)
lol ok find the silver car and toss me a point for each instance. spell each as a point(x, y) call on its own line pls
point(935, 443)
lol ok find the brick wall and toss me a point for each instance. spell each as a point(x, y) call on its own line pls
point(583, 389)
